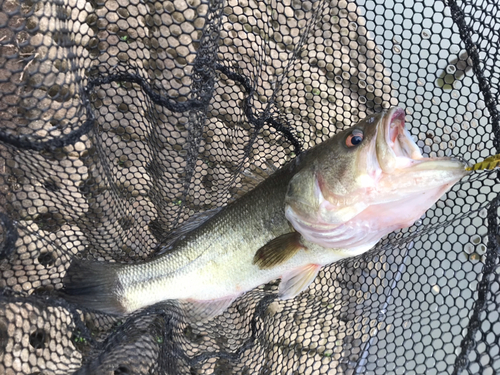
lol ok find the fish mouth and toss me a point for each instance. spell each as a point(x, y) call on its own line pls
point(398, 138)
point(397, 150)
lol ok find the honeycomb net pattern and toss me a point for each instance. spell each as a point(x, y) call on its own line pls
point(120, 120)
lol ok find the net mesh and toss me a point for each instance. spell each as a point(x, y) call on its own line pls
point(120, 120)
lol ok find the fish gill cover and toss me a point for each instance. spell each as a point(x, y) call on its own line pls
point(121, 120)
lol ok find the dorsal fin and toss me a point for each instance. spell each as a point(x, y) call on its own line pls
point(190, 224)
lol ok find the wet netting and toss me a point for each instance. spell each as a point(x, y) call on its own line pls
point(122, 119)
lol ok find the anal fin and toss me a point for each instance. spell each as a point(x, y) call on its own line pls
point(197, 311)
point(278, 251)
point(297, 281)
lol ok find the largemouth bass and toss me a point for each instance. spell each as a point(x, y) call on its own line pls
point(334, 201)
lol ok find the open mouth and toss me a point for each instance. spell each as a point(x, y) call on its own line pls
point(400, 150)
point(399, 139)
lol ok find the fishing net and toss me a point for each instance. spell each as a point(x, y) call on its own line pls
point(122, 119)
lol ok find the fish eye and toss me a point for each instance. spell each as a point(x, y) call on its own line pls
point(354, 139)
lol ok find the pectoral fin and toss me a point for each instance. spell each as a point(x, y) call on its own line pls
point(297, 281)
point(197, 311)
point(278, 251)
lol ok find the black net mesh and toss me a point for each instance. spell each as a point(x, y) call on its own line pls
point(121, 119)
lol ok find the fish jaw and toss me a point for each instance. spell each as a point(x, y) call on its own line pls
point(405, 172)
point(395, 186)
point(395, 148)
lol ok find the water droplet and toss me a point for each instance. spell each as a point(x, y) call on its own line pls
point(346, 76)
point(469, 248)
point(370, 88)
point(406, 324)
point(419, 99)
point(476, 239)
point(481, 249)
point(338, 79)
point(483, 213)
point(451, 69)
point(362, 100)
point(474, 256)
point(436, 289)
point(396, 40)
point(381, 314)
point(353, 26)
point(426, 34)
point(396, 49)
point(420, 82)
point(362, 84)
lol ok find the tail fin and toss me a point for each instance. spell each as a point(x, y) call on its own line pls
point(94, 285)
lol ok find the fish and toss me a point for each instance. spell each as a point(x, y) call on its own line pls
point(333, 201)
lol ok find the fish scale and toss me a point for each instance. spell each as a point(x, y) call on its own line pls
point(218, 243)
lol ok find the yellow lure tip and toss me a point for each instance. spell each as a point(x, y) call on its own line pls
point(490, 162)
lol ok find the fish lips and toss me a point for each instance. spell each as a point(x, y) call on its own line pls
point(396, 150)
